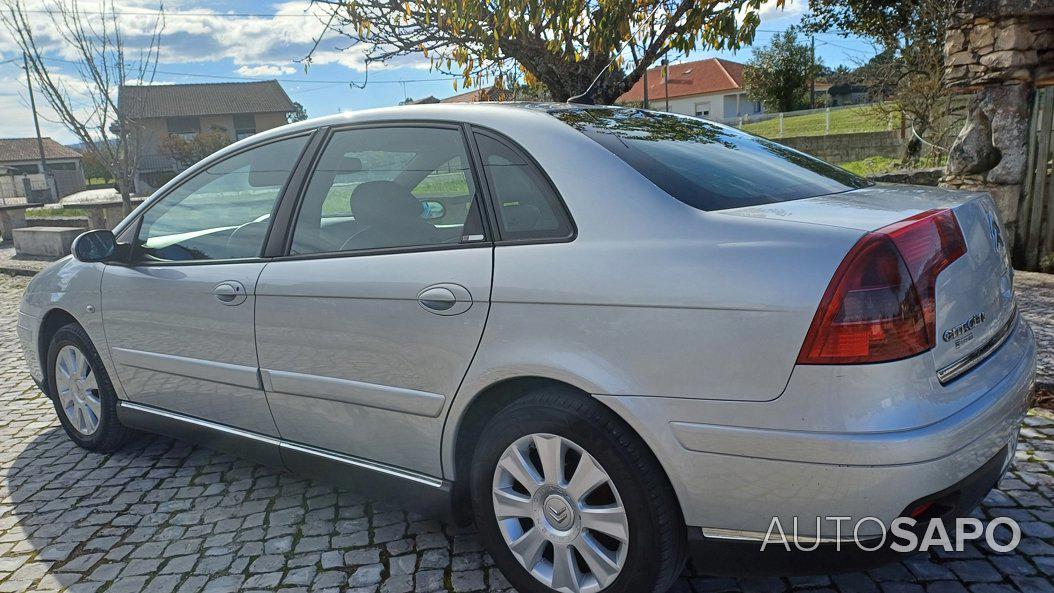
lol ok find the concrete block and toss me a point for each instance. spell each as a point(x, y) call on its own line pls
point(11, 218)
point(48, 241)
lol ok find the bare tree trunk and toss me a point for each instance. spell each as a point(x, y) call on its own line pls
point(913, 147)
point(126, 196)
point(103, 66)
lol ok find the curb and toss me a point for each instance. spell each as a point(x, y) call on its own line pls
point(17, 271)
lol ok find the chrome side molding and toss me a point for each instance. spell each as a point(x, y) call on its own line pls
point(775, 540)
point(283, 445)
point(364, 464)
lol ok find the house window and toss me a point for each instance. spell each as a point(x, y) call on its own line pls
point(62, 166)
point(702, 109)
point(184, 127)
point(244, 126)
point(24, 169)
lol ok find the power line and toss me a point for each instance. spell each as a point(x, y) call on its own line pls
point(846, 48)
point(265, 79)
point(178, 14)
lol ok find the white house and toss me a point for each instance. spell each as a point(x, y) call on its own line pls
point(22, 156)
point(711, 88)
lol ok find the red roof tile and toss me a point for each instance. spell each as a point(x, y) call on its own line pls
point(712, 75)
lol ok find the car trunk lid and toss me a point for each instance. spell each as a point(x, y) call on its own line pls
point(974, 294)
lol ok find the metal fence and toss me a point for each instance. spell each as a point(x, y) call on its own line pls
point(843, 119)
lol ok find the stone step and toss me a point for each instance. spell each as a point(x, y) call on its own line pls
point(47, 241)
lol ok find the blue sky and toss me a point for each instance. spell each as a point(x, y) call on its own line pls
point(201, 45)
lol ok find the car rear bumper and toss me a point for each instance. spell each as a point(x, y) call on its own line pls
point(733, 480)
point(719, 556)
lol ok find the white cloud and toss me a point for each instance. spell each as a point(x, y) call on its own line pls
point(791, 8)
point(265, 70)
point(18, 123)
point(265, 45)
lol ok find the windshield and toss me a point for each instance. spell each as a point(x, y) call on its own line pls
point(707, 165)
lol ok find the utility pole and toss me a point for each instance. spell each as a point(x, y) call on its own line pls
point(812, 71)
point(646, 103)
point(36, 124)
point(666, 81)
point(651, 28)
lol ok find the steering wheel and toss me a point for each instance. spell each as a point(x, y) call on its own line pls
point(352, 237)
point(230, 239)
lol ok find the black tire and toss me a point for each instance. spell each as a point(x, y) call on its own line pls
point(657, 547)
point(110, 434)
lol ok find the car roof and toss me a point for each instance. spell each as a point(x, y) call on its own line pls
point(491, 114)
point(511, 118)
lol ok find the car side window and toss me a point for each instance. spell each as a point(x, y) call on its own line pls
point(527, 206)
point(222, 212)
point(388, 187)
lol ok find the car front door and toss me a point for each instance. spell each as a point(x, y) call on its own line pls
point(367, 327)
point(179, 317)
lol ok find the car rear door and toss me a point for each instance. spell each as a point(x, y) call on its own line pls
point(179, 317)
point(367, 326)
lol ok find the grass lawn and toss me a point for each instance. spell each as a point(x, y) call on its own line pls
point(871, 166)
point(865, 118)
point(877, 165)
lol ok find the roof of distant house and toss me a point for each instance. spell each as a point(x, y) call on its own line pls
point(712, 75)
point(25, 149)
point(222, 98)
point(429, 100)
point(487, 93)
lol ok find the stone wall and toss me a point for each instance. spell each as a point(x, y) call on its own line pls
point(1001, 50)
point(930, 177)
point(997, 50)
point(843, 148)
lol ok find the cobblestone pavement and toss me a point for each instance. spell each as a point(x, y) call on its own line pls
point(164, 516)
point(1035, 296)
point(21, 265)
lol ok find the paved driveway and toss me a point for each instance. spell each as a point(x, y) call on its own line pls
point(163, 516)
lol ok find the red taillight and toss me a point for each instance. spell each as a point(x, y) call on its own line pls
point(880, 305)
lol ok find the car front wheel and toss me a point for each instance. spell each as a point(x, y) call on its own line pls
point(82, 393)
point(567, 498)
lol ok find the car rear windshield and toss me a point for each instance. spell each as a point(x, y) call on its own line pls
point(707, 165)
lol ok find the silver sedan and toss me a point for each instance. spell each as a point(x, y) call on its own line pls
point(606, 336)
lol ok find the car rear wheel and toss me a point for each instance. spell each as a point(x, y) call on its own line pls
point(567, 498)
point(82, 393)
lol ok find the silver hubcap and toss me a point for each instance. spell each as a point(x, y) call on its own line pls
point(78, 390)
point(560, 514)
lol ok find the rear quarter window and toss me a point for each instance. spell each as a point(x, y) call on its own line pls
point(706, 165)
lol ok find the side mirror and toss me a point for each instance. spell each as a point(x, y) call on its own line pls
point(432, 210)
point(95, 246)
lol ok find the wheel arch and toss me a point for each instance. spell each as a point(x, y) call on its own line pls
point(50, 323)
point(465, 429)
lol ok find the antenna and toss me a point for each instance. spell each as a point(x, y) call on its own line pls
point(586, 96)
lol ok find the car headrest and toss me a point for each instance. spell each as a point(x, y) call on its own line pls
point(384, 202)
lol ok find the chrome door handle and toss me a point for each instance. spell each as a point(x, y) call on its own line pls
point(229, 293)
point(445, 299)
point(437, 299)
